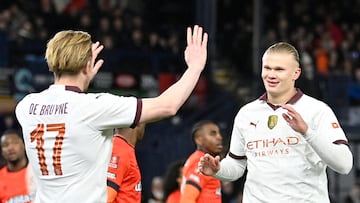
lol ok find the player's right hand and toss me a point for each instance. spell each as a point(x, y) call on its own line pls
point(209, 165)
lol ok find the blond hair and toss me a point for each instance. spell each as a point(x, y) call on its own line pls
point(68, 52)
point(283, 47)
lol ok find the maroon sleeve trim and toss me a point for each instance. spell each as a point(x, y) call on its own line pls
point(236, 157)
point(341, 142)
point(138, 113)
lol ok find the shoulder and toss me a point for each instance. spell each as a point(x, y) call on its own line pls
point(121, 147)
point(3, 170)
point(26, 99)
point(192, 162)
point(250, 109)
point(305, 101)
point(195, 156)
point(107, 99)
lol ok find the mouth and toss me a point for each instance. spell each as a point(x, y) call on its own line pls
point(271, 84)
point(11, 156)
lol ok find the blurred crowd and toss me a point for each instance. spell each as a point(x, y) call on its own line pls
point(325, 32)
point(118, 24)
point(327, 37)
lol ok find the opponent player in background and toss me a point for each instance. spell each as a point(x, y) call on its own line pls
point(124, 177)
point(195, 186)
point(68, 133)
point(16, 183)
point(286, 139)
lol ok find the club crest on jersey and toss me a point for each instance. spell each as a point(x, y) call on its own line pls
point(272, 121)
point(114, 162)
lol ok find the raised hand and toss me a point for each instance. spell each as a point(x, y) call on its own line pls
point(196, 50)
point(96, 49)
point(294, 119)
point(208, 165)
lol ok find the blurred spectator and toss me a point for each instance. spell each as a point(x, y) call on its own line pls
point(354, 90)
point(137, 40)
point(156, 192)
point(354, 194)
point(16, 183)
point(103, 28)
point(120, 34)
point(154, 42)
point(9, 122)
point(86, 22)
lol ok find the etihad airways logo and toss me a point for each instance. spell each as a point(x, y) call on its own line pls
point(272, 142)
point(272, 146)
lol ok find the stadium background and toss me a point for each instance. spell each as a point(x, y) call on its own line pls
point(144, 55)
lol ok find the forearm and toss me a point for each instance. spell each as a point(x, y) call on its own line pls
point(169, 102)
point(176, 95)
point(337, 156)
point(231, 169)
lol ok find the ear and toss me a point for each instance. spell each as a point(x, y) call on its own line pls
point(198, 140)
point(297, 73)
point(86, 68)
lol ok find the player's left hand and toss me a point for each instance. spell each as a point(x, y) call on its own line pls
point(196, 50)
point(294, 119)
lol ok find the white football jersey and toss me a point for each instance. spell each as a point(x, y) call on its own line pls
point(68, 139)
point(282, 166)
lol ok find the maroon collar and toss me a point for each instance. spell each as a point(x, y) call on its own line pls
point(73, 88)
point(292, 100)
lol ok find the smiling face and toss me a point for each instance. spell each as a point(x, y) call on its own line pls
point(279, 72)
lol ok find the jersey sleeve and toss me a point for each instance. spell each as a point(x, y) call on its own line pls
point(328, 140)
point(106, 111)
point(326, 124)
point(192, 177)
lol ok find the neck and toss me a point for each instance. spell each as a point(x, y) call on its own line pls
point(206, 151)
point(280, 99)
point(71, 81)
point(129, 139)
point(17, 165)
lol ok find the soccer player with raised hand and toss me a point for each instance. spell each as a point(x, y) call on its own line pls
point(68, 133)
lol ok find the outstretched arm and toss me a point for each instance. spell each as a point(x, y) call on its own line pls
point(228, 169)
point(170, 101)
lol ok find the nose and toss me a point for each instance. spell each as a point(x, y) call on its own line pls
point(271, 74)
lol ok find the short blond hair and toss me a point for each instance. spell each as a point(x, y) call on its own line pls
point(284, 47)
point(68, 52)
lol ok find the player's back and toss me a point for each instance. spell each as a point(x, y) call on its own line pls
point(68, 138)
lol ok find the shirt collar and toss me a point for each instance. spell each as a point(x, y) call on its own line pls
point(66, 87)
point(292, 100)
